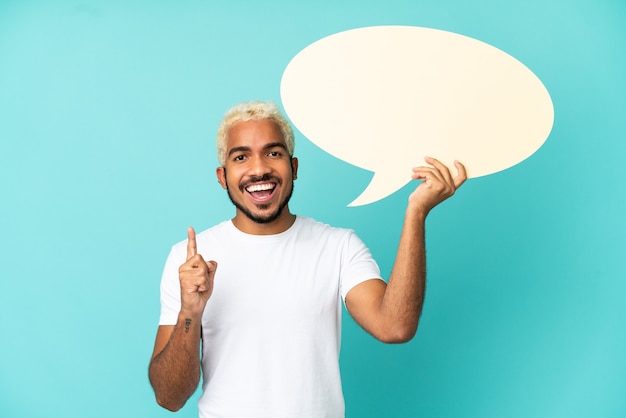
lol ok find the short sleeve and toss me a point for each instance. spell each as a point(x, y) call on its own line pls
point(358, 265)
point(170, 288)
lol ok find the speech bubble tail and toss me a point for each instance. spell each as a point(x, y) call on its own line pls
point(380, 187)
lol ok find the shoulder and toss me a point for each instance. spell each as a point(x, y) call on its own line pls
point(217, 232)
point(309, 225)
point(223, 228)
point(308, 229)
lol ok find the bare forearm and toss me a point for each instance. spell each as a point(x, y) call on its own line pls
point(175, 371)
point(403, 299)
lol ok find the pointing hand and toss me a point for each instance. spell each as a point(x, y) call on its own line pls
point(196, 278)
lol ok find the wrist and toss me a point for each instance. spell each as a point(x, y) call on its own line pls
point(190, 325)
point(416, 211)
point(186, 314)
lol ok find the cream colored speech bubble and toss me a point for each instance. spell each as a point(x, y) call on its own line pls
point(383, 97)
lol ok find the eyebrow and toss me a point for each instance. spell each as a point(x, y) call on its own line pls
point(266, 147)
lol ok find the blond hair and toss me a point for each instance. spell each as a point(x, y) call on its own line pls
point(253, 110)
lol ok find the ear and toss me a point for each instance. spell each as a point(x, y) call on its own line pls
point(294, 168)
point(221, 176)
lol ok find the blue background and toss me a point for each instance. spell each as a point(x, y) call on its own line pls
point(108, 111)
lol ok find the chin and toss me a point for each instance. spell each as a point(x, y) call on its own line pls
point(262, 214)
point(264, 218)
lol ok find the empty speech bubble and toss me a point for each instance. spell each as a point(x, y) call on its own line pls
point(383, 97)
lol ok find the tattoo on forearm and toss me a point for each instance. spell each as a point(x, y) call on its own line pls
point(187, 324)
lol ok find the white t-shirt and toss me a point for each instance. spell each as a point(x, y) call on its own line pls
point(272, 327)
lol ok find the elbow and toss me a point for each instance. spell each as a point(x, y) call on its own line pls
point(166, 397)
point(398, 334)
point(169, 405)
point(397, 339)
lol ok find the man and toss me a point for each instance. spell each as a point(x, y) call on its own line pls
point(268, 319)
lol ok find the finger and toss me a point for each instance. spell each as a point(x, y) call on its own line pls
point(442, 168)
point(203, 282)
point(211, 266)
point(192, 248)
point(427, 174)
point(461, 174)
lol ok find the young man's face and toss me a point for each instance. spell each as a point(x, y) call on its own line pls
point(258, 172)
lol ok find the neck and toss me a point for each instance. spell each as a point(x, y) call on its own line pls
point(280, 224)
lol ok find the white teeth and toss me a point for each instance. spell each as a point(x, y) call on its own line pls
point(259, 187)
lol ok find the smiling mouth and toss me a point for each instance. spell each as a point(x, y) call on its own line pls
point(261, 191)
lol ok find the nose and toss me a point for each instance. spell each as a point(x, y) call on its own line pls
point(258, 167)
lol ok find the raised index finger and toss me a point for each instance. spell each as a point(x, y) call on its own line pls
point(192, 248)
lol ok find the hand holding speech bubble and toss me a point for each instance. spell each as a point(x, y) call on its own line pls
point(383, 97)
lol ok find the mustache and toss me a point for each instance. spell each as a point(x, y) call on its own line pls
point(259, 179)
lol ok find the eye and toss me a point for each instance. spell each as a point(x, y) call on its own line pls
point(238, 158)
point(275, 154)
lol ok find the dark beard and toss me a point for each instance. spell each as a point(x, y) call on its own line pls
point(256, 218)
